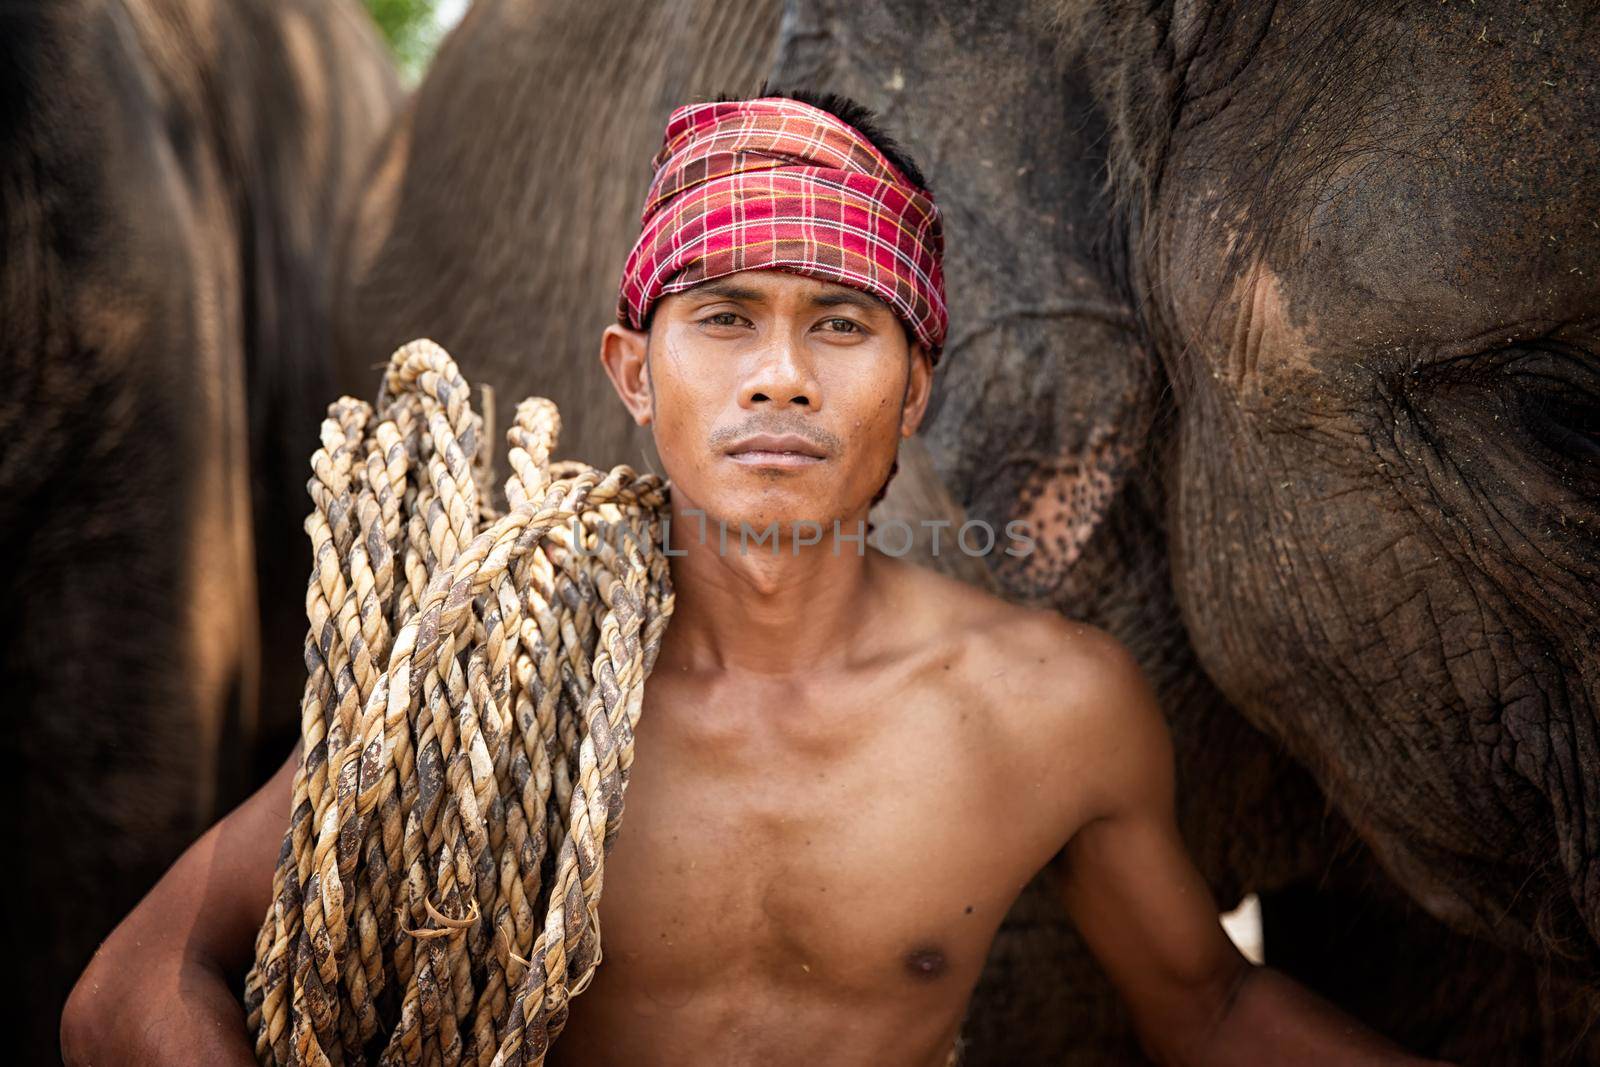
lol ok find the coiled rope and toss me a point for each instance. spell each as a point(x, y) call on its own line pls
point(473, 681)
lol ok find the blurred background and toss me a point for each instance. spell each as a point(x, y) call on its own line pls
point(414, 28)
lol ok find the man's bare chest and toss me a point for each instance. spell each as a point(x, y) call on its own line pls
point(862, 863)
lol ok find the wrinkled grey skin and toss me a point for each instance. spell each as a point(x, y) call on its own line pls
point(170, 173)
point(1408, 344)
point(1047, 411)
point(1205, 268)
point(1387, 461)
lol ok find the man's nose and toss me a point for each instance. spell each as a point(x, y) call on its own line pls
point(781, 378)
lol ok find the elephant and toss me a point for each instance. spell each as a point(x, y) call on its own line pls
point(1275, 321)
point(171, 177)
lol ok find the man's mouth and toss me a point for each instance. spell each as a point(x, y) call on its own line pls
point(776, 450)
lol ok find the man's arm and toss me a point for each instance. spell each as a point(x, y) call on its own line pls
point(1150, 918)
point(162, 988)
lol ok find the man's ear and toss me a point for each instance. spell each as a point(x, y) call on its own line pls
point(919, 385)
point(622, 353)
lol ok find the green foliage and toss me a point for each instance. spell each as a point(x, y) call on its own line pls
point(410, 29)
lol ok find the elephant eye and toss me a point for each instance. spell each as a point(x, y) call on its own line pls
point(1564, 420)
point(1558, 400)
point(1521, 420)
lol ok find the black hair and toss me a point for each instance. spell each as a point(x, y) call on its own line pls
point(851, 113)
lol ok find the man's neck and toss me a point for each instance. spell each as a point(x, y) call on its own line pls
point(762, 611)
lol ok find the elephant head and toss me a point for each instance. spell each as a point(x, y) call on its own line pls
point(1362, 240)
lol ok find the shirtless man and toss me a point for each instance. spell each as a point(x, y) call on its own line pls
point(848, 767)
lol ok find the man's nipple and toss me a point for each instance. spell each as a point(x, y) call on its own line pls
point(925, 962)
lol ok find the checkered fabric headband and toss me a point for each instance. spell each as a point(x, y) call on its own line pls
point(777, 184)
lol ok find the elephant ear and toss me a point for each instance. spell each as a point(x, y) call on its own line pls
point(554, 109)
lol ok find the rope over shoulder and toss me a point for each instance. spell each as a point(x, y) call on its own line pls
point(473, 684)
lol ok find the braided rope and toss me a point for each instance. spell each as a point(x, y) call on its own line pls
point(473, 682)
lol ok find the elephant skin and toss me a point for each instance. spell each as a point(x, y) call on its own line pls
point(171, 173)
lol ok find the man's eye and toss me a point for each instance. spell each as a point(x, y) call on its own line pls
point(841, 325)
point(721, 318)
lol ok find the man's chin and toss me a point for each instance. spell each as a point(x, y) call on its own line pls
point(798, 516)
point(786, 521)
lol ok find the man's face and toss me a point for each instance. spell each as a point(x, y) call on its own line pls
point(774, 397)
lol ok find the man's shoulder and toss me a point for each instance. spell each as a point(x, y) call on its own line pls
point(1048, 648)
point(1065, 703)
point(1078, 714)
point(1063, 674)
point(1033, 658)
point(1055, 687)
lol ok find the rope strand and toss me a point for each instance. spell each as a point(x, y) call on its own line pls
point(473, 680)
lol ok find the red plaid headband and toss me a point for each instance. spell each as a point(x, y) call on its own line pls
point(774, 183)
